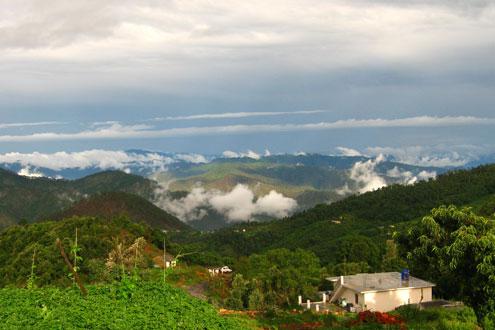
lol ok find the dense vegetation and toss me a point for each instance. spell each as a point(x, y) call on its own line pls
point(456, 249)
point(273, 262)
point(116, 204)
point(274, 279)
point(28, 199)
point(310, 179)
point(96, 238)
point(461, 318)
point(151, 306)
point(341, 226)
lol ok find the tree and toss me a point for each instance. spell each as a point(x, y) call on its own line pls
point(348, 268)
point(358, 248)
point(238, 293)
point(283, 274)
point(391, 260)
point(256, 297)
point(456, 249)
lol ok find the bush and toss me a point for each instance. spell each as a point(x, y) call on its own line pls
point(151, 306)
point(461, 318)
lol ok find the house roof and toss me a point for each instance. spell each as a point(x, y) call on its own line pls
point(381, 282)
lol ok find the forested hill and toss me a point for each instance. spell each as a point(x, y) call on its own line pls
point(359, 222)
point(113, 204)
point(32, 199)
point(398, 203)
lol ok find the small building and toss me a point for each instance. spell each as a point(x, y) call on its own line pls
point(381, 292)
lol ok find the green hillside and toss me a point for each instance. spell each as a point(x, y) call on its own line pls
point(113, 204)
point(96, 238)
point(32, 199)
point(310, 179)
point(152, 306)
point(361, 223)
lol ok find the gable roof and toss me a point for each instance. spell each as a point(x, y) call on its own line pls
point(374, 282)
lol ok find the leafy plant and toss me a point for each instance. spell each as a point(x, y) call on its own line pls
point(153, 305)
point(75, 251)
point(31, 283)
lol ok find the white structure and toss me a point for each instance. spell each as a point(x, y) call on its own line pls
point(381, 292)
point(222, 270)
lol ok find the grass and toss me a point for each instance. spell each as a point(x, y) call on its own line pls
point(151, 306)
point(461, 318)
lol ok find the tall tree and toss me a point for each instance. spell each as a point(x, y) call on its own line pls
point(455, 248)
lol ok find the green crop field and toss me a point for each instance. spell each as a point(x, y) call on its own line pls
point(151, 306)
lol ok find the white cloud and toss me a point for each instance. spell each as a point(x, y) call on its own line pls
point(192, 158)
point(27, 172)
point(344, 190)
point(175, 44)
point(275, 205)
point(236, 205)
point(348, 151)
point(248, 154)
point(407, 177)
point(365, 176)
point(118, 131)
point(435, 155)
point(239, 204)
point(188, 208)
point(102, 159)
point(40, 123)
point(233, 115)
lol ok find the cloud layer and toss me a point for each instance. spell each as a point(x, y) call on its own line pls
point(255, 65)
point(235, 115)
point(97, 158)
point(364, 176)
point(119, 131)
point(237, 205)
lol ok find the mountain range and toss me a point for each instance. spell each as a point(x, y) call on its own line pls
point(206, 192)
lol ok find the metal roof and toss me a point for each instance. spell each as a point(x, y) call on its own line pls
point(372, 282)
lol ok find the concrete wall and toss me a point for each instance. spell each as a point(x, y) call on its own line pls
point(388, 300)
point(350, 297)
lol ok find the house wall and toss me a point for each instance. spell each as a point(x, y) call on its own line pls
point(350, 297)
point(389, 300)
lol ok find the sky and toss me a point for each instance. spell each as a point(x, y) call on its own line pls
point(413, 78)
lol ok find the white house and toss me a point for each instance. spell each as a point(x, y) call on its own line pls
point(381, 292)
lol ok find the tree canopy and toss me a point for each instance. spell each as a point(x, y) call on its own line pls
point(454, 248)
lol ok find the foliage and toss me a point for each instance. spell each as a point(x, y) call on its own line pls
point(300, 320)
point(459, 318)
point(358, 248)
point(112, 204)
point(375, 215)
point(348, 268)
point(31, 282)
point(391, 261)
point(95, 240)
point(456, 249)
point(275, 278)
point(462, 318)
point(34, 199)
point(152, 306)
point(238, 293)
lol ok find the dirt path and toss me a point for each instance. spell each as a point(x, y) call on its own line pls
point(198, 290)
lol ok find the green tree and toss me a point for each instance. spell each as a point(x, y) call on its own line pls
point(456, 249)
point(238, 293)
point(358, 248)
point(349, 268)
point(256, 297)
point(391, 260)
point(283, 274)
